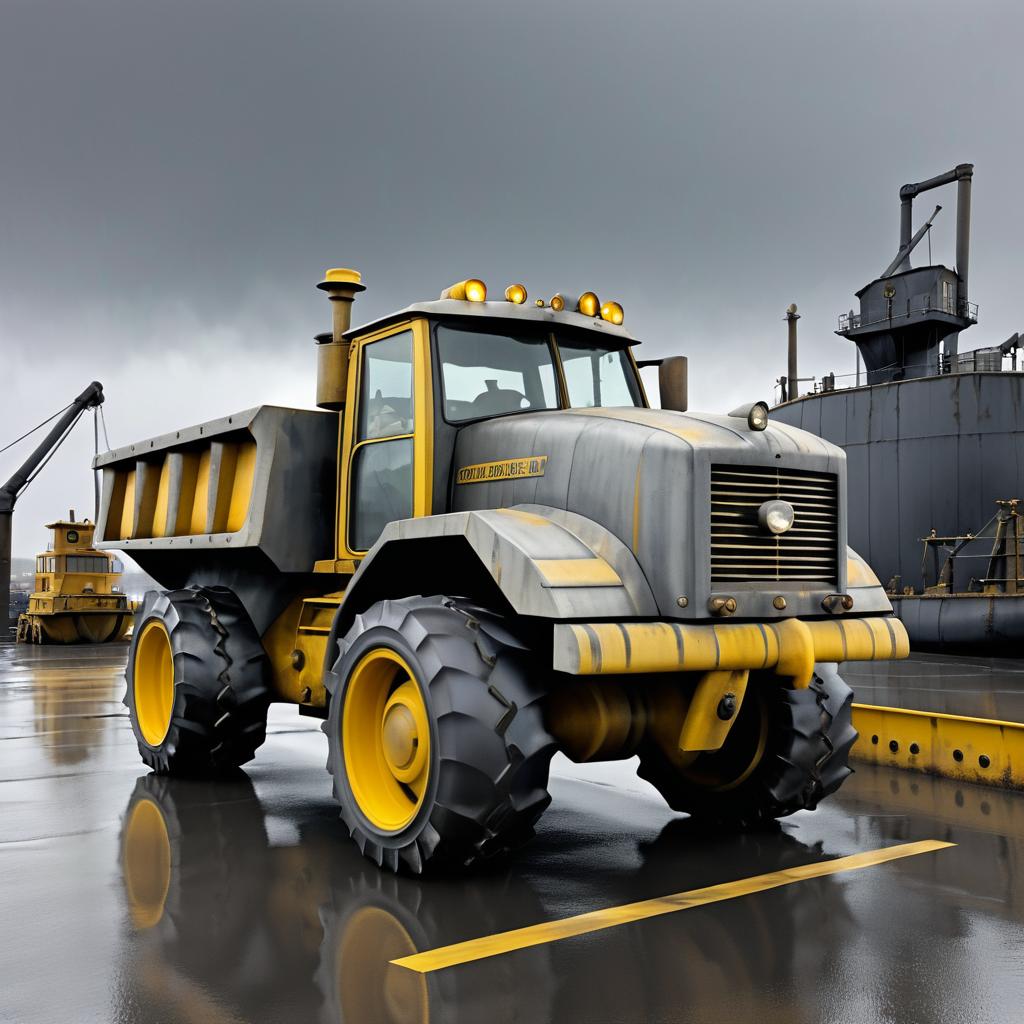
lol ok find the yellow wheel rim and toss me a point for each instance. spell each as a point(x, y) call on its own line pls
point(147, 864)
point(369, 987)
point(154, 682)
point(385, 734)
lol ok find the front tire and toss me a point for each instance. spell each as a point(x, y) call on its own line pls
point(436, 739)
point(788, 750)
point(198, 682)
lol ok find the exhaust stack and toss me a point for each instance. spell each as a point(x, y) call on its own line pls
point(342, 285)
point(791, 318)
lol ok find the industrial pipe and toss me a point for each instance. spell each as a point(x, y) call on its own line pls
point(906, 231)
point(963, 234)
point(961, 174)
point(793, 384)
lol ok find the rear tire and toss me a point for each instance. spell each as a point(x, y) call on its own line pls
point(198, 682)
point(806, 735)
point(458, 773)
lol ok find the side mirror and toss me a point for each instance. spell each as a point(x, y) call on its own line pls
point(673, 383)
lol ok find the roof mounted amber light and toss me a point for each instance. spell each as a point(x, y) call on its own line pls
point(470, 290)
point(516, 293)
point(589, 304)
point(557, 302)
point(612, 312)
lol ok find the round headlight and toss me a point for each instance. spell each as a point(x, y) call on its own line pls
point(757, 418)
point(776, 516)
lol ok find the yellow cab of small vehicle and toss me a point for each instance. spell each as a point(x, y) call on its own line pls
point(76, 597)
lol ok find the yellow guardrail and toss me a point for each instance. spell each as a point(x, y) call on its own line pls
point(955, 746)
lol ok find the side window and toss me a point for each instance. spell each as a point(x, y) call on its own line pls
point(385, 390)
point(381, 489)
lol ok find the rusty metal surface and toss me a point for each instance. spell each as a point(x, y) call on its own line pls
point(271, 915)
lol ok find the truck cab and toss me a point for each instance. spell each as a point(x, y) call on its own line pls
point(417, 378)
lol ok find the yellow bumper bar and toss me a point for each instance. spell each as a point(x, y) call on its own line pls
point(790, 647)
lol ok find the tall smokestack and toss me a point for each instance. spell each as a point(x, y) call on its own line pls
point(342, 286)
point(791, 317)
point(964, 173)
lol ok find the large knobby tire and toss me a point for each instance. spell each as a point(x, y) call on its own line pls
point(788, 750)
point(198, 682)
point(436, 739)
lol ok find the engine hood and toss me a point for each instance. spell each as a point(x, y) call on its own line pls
point(644, 475)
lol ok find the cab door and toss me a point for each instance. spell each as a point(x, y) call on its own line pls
point(386, 446)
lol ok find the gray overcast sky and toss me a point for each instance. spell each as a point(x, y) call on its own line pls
point(175, 176)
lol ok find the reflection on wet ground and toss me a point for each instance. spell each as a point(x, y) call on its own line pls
point(973, 686)
point(129, 897)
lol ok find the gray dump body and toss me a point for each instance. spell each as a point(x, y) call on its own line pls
point(245, 501)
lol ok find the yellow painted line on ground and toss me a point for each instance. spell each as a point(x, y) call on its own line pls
point(582, 924)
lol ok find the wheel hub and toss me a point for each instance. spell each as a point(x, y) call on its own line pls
point(399, 737)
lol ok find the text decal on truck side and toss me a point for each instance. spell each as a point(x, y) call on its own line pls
point(508, 469)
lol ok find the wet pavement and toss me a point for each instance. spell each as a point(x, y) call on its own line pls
point(270, 915)
point(961, 685)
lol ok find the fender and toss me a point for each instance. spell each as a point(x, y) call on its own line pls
point(863, 586)
point(545, 563)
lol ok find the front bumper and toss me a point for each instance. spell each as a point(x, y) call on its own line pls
point(788, 647)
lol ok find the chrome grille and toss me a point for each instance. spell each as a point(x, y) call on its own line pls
point(741, 552)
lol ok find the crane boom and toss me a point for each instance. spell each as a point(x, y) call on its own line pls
point(91, 397)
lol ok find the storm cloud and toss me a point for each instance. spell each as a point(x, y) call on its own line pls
point(175, 177)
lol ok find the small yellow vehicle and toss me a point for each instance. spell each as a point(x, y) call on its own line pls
point(76, 598)
point(486, 547)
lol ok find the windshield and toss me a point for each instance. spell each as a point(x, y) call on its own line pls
point(597, 377)
point(489, 374)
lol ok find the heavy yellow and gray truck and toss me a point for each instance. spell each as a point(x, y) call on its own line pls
point(486, 547)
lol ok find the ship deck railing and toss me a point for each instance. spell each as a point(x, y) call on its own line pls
point(966, 362)
point(854, 321)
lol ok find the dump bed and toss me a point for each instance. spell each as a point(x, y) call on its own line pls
point(257, 486)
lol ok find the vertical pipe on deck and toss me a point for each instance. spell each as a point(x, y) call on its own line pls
point(791, 318)
point(906, 226)
point(963, 233)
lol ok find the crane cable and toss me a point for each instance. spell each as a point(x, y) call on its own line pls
point(51, 453)
point(103, 420)
point(34, 429)
point(95, 470)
